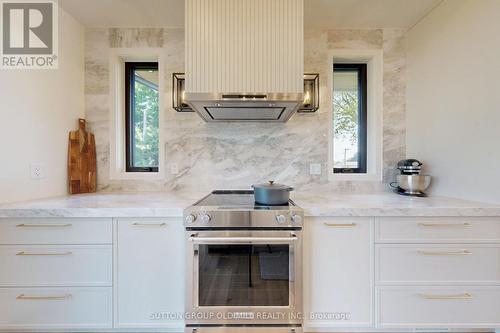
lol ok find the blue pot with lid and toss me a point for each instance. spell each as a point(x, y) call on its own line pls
point(271, 193)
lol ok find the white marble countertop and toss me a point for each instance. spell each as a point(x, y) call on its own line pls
point(156, 204)
point(390, 204)
point(147, 204)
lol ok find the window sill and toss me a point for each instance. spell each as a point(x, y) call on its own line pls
point(354, 177)
point(137, 176)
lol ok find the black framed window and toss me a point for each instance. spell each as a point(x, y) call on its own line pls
point(349, 118)
point(141, 116)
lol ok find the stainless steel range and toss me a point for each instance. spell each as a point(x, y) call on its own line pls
point(244, 265)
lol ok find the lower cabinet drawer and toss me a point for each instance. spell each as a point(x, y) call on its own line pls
point(230, 329)
point(56, 231)
point(438, 307)
point(432, 264)
point(55, 308)
point(438, 229)
point(56, 265)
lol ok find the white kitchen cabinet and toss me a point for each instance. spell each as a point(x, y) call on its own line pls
point(56, 274)
point(338, 266)
point(150, 273)
point(56, 265)
point(437, 273)
point(439, 307)
point(55, 231)
point(56, 308)
point(409, 229)
point(428, 264)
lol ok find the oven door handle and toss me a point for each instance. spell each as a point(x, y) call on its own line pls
point(243, 240)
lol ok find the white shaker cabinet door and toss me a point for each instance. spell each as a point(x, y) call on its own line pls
point(50, 309)
point(438, 307)
point(150, 277)
point(338, 268)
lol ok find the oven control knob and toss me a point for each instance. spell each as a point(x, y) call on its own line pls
point(297, 219)
point(205, 218)
point(190, 218)
point(280, 219)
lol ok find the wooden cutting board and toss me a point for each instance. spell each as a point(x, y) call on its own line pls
point(82, 169)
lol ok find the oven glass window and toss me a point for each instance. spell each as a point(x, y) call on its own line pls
point(244, 275)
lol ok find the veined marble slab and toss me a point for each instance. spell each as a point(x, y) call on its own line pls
point(169, 204)
point(123, 204)
point(390, 204)
point(240, 154)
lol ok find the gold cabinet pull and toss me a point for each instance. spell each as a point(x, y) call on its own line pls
point(459, 296)
point(23, 253)
point(160, 225)
point(37, 225)
point(341, 225)
point(445, 225)
point(40, 298)
point(446, 253)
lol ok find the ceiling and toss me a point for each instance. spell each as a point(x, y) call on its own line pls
point(333, 14)
point(126, 13)
point(364, 14)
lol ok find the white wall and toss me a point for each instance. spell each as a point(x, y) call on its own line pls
point(453, 98)
point(37, 109)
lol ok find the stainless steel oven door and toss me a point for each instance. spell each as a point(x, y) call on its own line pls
point(244, 276)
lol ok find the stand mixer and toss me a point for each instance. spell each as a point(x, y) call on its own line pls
point(410, 182)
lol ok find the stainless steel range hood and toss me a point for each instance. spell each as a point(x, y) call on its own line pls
point(244, 59)
point(244, 107)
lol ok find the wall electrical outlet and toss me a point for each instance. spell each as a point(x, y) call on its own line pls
point(174, 169)
point(315, 169)
point(37, 171)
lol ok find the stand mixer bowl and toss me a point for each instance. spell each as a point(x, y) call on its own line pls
point(414, 184)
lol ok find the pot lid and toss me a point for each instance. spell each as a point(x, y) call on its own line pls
point(271, 185)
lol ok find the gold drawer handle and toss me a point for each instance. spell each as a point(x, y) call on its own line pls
point(341, 225)
point(460, 296)
point(55, 225)
point(40, 298)
point(160, 225)
point(22, 253)
point(446, 253)
point(444, 225)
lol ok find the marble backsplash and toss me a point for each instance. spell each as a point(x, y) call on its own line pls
point(218, 155)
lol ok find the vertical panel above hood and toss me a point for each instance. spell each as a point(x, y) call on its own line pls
point(244, 59)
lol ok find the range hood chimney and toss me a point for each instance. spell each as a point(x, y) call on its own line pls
point(244, 59)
